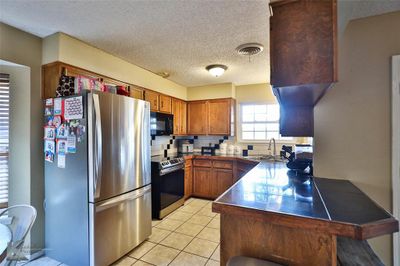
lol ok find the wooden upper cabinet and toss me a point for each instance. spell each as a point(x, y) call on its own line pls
point(219, 117)
point(303, 47)
point(211, 117)
point(183, 118)
point(179, 109)
point(153, 98)
point(136, 92)
point(303, 43)
point(197, 118)
point(165, 103)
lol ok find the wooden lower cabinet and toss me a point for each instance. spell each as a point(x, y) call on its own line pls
point(221, 181)
point(202, 182)
point(188, 191)
point(209, 178)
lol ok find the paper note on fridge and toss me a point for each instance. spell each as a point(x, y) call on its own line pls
point(73, 108)
point(71, 144)
point(61, 161)
point(57, 106)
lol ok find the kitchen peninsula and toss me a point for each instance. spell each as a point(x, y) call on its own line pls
point(269, 215)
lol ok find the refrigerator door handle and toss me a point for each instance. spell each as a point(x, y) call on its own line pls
point(101, 206)
point(98, 147)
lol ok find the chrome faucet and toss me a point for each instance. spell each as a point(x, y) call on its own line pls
point(269, 146)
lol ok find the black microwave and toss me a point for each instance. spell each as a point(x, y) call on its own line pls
point(161, 124)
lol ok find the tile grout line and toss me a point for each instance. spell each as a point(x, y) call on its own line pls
point(190, 240)
point(174, 231)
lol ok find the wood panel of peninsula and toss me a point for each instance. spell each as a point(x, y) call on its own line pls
point(242, 235)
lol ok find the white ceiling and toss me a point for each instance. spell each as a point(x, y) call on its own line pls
point(181, 37)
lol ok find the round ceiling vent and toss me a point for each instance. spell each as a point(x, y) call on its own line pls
point(250, 49)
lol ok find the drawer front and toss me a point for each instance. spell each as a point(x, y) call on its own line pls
point(223, 164)
point(203, 163)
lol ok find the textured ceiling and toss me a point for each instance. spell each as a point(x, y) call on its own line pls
point(181, 37)
point(177, 36)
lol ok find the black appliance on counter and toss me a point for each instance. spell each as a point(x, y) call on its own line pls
point(167, 180)
point(208, 150)
point(300, 167)
point(161, 124)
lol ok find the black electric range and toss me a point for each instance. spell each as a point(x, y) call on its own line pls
point(167, 178)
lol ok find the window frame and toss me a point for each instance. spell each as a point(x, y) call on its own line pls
point(240, 122)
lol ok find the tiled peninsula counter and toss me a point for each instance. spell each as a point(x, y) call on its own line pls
point(268, 215)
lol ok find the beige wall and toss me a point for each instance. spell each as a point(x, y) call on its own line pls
point(25, 49)
point(61, 47)
point(214, 91)
point(255, 93)
point(352, 121)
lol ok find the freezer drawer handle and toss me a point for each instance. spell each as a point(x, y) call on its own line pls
point(127, 197)
point(98, 152)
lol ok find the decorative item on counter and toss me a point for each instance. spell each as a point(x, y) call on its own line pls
point(73, 108)
point(122, 90)
point(223, 148)
point(49, 132)
point(62, 131)
point(61, 158)
point(238, 150)
point(49, 150)
point(231, 149)
point(61, 146)
point(58, 106)
point(65, 86)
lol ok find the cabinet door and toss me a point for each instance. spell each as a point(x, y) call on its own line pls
point(153, 98)
point(222, 180)
point(176, 111)
point(197, 118)
point(165, 103)
point(136, 93)
point(188, 182)
point(202, 182)
point(303, 43)
point(183, 122)
point(219, 117)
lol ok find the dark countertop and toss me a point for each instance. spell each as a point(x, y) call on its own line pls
point(329, 205)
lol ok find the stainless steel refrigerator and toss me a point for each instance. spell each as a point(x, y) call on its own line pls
point(98, 207)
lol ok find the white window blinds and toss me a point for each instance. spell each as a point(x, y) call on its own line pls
point(4, 137)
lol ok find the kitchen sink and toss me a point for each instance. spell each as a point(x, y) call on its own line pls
point(269, 158)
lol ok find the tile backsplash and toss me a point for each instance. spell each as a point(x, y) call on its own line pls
point(167, 145)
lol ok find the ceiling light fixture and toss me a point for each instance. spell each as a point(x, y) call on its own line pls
point(216, 70)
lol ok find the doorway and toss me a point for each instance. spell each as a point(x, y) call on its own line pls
point(396, 152)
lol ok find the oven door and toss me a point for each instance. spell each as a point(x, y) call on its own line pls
point(161, 124)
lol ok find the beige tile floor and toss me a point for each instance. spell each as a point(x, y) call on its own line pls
point(188, 236)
